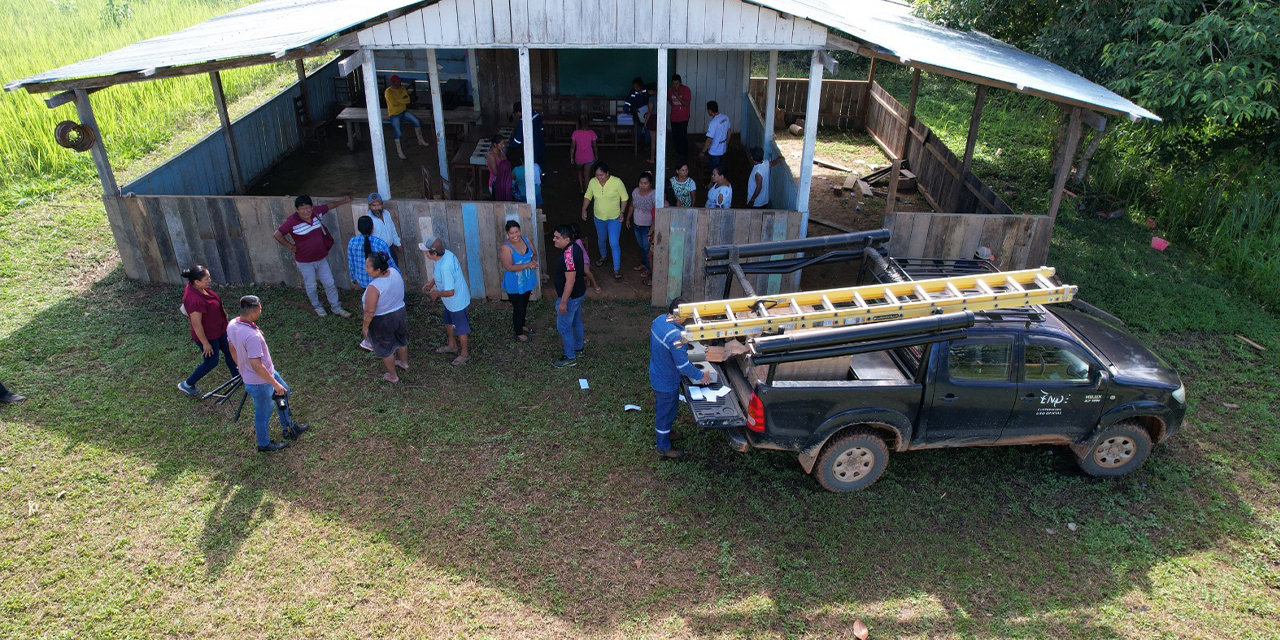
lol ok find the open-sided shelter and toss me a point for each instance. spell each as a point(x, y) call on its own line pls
point(182, 212)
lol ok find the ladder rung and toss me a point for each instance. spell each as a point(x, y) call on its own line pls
point(984, 287)
point(924, 296)
point(728, 313)
point(888, 295)
point(1013, 286)
point(858, 301)
point(826, 304)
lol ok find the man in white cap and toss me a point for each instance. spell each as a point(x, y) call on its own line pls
point(450, 287)
point(398, 100)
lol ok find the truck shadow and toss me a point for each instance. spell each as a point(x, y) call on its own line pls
point(548, 496)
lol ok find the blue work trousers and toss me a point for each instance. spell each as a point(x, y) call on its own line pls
point(665, 405)
point(569, 324)
point(262, 406)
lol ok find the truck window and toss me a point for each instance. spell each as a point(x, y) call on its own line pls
point(979, 361)
point(1053, 362)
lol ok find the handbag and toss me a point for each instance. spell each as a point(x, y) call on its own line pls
point(328, 239)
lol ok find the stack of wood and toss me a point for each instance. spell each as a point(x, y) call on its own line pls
point(866, 185)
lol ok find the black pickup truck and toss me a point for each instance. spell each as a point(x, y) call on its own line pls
point(1035, 375)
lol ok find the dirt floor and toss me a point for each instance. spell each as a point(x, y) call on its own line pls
point(337, 171)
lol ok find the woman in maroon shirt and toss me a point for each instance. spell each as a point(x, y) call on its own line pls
point(208, 326)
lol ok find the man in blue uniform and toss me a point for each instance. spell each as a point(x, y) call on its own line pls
point(539, 135)
point(668, 360)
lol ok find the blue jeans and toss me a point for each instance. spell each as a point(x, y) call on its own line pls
point(642, 239)
point(403, 115)
point(610, 229)
point(665, 404)
point(211, 361)
point(262, 406)
point(569, 324)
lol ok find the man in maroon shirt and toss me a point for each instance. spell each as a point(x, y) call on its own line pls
point(680, 98)
point(303, 233)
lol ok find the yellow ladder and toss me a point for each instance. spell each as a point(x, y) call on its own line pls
point(871, 303)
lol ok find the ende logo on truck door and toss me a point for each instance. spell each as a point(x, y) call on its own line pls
point(1050, 405)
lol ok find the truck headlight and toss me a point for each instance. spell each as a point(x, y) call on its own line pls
point(1180, 394)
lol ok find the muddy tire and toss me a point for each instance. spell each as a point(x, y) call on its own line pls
point(852, 461)
point(1118, 450)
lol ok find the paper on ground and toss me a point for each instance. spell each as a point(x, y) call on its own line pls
point(582, 382)
point(630, 407)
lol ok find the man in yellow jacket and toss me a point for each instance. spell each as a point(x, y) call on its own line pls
point(398, 108)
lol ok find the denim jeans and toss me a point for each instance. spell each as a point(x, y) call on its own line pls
point(211, 361)
point(713, 162)
point(569, 324)
point(610, 229)
point(665, 405)
point(262, 406)
point(319, 270)
point(642, 239)
point(405, 115)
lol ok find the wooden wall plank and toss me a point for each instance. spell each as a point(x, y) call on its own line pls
point(490, 237)
point(426, 235)
point(679, 24)
point(501, 21)
point(468, 33)
point(235, 239)
point(661, 251)
point(679, 236)
point(126, 240)
point(538, 10)
point(475, 264)
point(431, 22)
point(916, 245)
point(449, 24)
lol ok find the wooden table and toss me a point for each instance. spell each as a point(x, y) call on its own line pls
point(560, 128)
point(470, 161)
point(460, 120)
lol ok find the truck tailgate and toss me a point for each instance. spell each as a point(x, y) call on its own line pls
point(723, 412)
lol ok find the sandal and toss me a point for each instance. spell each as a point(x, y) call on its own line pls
point(523, 338)
point(638, 267)
point(388, 378)
point(648, 282)
point(617, 275)
point(598, 289)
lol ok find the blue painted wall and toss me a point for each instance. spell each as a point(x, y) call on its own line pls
point(263, 137)
point(782, 187)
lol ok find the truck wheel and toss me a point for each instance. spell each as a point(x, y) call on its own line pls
point(1118, 450)
point(852, 461)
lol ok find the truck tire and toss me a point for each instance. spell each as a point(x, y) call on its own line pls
point(852, 461)
point(1119, 449)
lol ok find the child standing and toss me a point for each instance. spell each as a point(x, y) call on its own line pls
point(582, 150)
point(589, 277)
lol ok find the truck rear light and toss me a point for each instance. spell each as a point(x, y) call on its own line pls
point(755, 414)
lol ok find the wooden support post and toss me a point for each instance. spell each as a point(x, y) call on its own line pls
point(473, 78)
point(746, 90)
point(526, 124)
point(865, 105)
point(437, 114)
point(664, 116)
point(99, 152)
point(979, 101)
point(894, 172)
point(302, 87)
point(810, 140)
point(911, 113)
point(770, 106)
point(1064, 164)
point(228, 138)
point(382, 177)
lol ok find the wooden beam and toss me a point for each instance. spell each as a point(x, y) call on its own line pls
point(166, 72)
point(664, 110)
point(526, 124)
point(1064, 166)
point(892, 198)
point(810, 139)
point(228, 137)
point(437, 115)
point(746, 89)
point(473, 79)
point(66, 97)
point(100, 161)
point(770, 106)
point(382, 177)
point(979, 101)
point(301, 68)
point(911, 113)
point(865, 104)
point(351, 63)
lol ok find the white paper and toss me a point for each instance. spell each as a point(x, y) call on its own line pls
point(631, 407)
point(682, 398)
point(695, 393)
point(582, 382)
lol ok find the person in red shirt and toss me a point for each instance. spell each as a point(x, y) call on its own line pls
point(303, 233)
point(208, 326)
point(680, 98)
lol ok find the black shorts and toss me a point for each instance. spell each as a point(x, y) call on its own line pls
point(388, 332)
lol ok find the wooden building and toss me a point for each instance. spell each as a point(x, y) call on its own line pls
point(189, 210)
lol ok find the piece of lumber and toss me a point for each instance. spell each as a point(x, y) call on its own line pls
point(1251, 343)
point(850, 182)
point(864, 188)
point(831, 165)
point(833, 225)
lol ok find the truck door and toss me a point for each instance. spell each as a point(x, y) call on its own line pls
point(973, 391)
point(1059, 395)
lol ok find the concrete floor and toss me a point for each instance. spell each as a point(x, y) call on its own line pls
point(335, 171)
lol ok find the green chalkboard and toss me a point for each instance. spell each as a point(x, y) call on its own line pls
point(606, 72)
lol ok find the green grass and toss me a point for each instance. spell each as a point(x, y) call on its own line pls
point(135, 118)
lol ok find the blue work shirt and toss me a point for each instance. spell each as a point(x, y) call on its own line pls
point(667, 360)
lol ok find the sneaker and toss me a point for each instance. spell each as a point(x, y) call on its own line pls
point(577, 353)
point(12, 398)
point(273, 446)
point(194, 392)
point(364, 344)
point(669, 453)
point(341, 313)
point(320, 312)
point(297, 430)
point(563, 362)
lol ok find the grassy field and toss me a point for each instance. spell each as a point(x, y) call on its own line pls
point(40, 35)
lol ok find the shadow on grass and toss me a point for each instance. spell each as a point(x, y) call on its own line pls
point(505, 472)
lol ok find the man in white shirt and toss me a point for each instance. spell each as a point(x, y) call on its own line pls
point(450, 286)
point(718, 131)
point(758, 181)
point(384, 227)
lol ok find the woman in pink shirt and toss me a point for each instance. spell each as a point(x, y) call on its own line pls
point(582, 150)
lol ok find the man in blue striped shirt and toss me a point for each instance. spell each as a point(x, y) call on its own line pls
point(668, 360)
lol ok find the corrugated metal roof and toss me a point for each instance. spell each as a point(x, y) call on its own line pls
point(889, 27)
point(265, 28)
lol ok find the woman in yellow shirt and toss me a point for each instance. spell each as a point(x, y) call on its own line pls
point(608, 193)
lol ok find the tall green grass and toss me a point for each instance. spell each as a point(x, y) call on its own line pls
point(135, 118)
